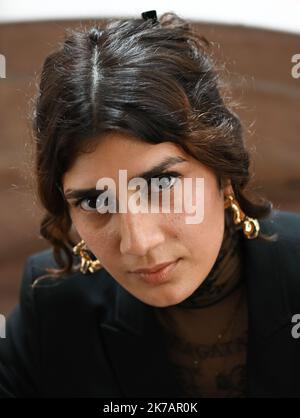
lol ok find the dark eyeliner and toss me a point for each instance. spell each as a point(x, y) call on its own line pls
point(161, 175)
point(165, 174)
point(80, 199)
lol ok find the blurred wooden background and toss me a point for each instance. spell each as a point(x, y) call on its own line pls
point(258, 66)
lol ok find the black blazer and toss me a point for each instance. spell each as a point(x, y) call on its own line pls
point(86, 336)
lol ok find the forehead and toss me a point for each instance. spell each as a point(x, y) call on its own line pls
point(117, 151)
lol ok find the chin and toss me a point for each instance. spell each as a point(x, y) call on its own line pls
point(164, 301)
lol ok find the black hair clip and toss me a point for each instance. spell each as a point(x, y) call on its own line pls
point(150, 14)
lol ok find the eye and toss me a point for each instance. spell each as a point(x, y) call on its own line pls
point(90, 204)
point(93, 203)
point(163, 182)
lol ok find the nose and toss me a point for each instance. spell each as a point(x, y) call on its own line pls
point(140, 232)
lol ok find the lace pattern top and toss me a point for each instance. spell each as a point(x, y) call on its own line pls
point(206, 334)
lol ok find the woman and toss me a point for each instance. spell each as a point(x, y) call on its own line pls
point(144, 303)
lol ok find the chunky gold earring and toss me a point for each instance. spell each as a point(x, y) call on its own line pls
point(250, 226)
point(87, 264)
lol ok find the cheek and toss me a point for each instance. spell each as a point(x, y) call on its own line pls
point(204, 239)
point(98, 238)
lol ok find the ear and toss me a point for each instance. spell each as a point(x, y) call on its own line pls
point(227, 187)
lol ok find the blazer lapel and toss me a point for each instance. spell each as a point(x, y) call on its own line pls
point(135, 348)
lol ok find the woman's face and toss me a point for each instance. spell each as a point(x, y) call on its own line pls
point(124, 242)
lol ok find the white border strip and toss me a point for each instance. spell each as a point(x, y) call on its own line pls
point(269, 14)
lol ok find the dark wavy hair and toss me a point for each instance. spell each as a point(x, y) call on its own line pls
point(154, 80)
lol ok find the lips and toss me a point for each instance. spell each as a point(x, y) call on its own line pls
point(153, 269)
point(161, 274)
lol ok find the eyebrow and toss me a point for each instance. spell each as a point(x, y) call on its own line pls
point(147, 175)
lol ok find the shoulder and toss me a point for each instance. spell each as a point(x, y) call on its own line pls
point(76, 291)
point(279, 260)
point(286, 227)
point(286, 224)
point(56, 316)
